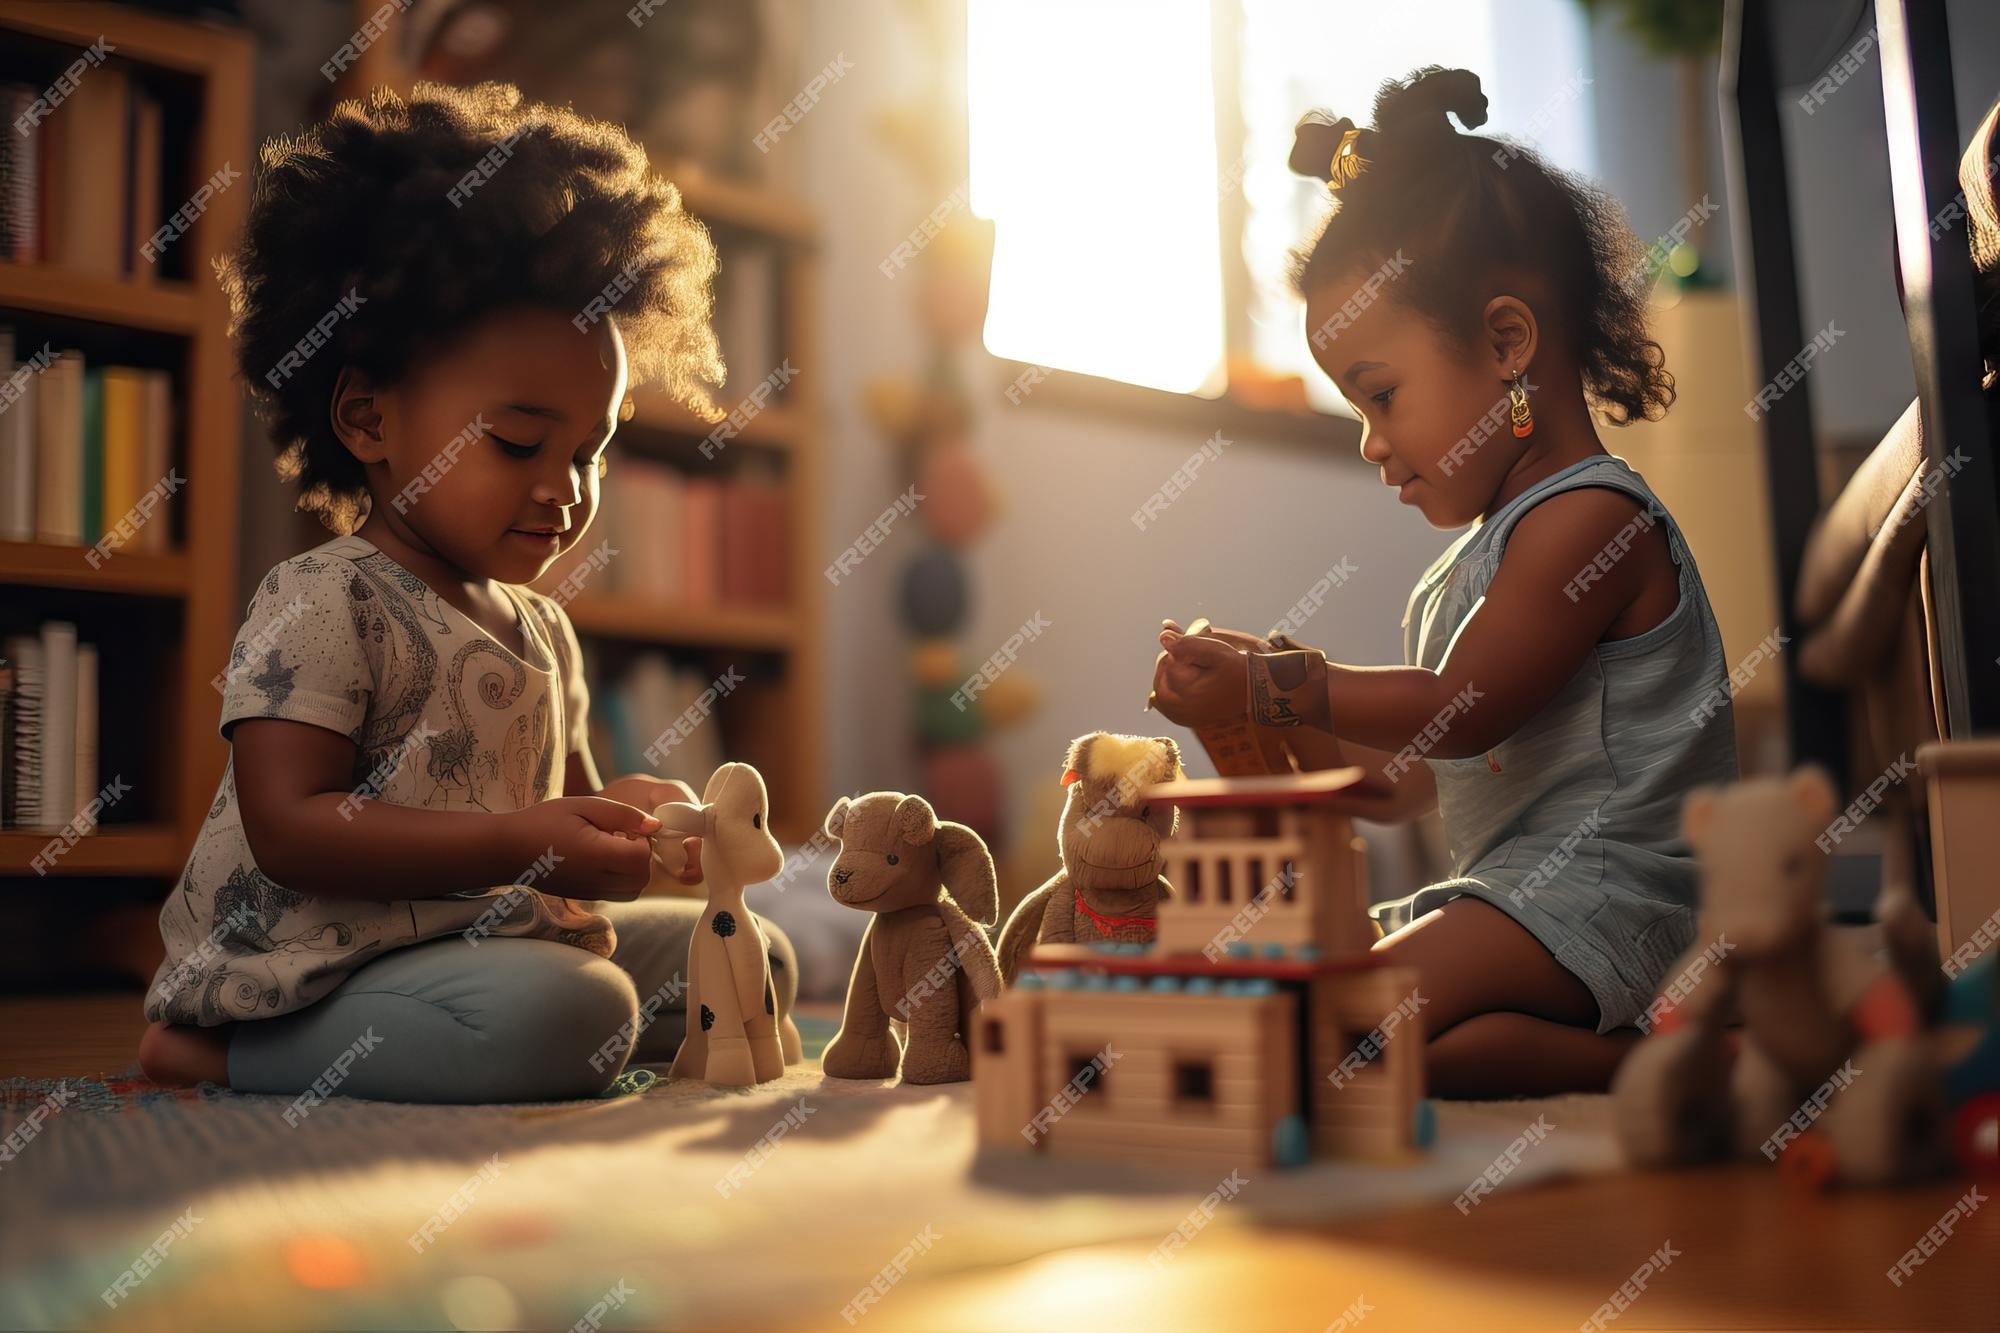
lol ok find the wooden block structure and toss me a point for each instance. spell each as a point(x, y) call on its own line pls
point(1368, 1049)
point(1267, 857)
point(1257, 1030)
point(1006, 1082)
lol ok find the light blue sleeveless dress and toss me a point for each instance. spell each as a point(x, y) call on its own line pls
point(1577, 834)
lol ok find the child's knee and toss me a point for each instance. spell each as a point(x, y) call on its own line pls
point(582, 1023)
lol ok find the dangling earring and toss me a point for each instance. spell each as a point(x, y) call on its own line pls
point(1518, 410)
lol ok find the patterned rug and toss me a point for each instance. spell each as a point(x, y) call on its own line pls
point(203, 1208)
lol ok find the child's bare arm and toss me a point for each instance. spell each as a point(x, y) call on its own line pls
point(1412, 796)
point(309, 833)
point(1537, 623)
point(1539, 620)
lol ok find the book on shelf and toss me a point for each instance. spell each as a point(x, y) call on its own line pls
point(746, 314)
point(83, 739)
point(20, 179)
point(57, 395)
point(79, 445)
point(8, 671)
point(647, 707)
point(48, 727)
point(682, 540)
point(701, 541)
point(59, 204)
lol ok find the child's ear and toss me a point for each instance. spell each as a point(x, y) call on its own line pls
point(1511, 329)
point(357, 417)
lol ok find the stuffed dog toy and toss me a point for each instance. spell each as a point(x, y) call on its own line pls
point(925, 964)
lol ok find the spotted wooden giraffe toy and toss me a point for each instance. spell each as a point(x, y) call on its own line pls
point(734, 1031)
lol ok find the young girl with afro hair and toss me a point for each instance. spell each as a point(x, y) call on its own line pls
point(411, 872)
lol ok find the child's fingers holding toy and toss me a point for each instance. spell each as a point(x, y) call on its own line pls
point(1235, 638)
point(1199, 679)
point(600, 847)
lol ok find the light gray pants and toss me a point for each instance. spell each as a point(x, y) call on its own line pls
point(512, 1020)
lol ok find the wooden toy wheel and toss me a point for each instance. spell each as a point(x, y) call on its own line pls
point(1424, 1123)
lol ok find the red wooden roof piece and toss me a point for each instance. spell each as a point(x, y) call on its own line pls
point(1274, 789)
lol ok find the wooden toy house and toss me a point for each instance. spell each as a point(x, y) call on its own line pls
point(1257, 1029)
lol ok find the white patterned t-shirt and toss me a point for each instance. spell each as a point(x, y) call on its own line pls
point(442, 717)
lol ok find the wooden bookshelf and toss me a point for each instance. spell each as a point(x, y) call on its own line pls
point(788, 748)
point(181, 753)
point(158, 307)
point(637, 621)
point(142, 851)
point(773, 428)
point(782, 733)
point(35, 565)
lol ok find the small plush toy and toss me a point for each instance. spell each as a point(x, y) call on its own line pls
point(1835, 1074)
point(1109, 887)
point(924, 962)
point(735, 1034)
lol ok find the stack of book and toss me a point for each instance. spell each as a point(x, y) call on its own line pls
point(48, 728)
point(58, 205)
point(79, 446)
point(684, 540)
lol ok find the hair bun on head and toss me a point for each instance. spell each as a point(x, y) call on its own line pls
point(1420, 103)
point(1413, 110)
point(1317, 145)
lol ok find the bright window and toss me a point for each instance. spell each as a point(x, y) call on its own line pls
point(1106, 149)
point(1093, 150)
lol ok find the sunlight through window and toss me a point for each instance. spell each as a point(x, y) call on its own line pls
point(1093, 152)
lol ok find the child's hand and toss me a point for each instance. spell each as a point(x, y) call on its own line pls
point(1235, 638)
point(1199, 679)
point(600, 846)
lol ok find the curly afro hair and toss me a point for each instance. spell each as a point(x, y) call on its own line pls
point(376, 236)
point(1474, 214)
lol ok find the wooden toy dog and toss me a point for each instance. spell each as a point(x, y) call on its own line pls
point(1109, 887)
point(1829, 1033)
point(924, 963)
point(735, 1034)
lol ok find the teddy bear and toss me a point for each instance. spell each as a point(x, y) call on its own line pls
point(735, 1033)
point(1831, 1034)
point(1109, 886)
point(924, 964)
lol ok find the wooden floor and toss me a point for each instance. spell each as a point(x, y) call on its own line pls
point(1744, 1252)
point(83, 1036)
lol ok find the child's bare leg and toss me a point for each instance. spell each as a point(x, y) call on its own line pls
point(178, 1056)
point(1519, 1055)
point(1475, 963)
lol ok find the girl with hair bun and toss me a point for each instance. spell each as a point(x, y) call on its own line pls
point(1564, 685)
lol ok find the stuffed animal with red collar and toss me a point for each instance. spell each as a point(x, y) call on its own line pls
point(1110, 886)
